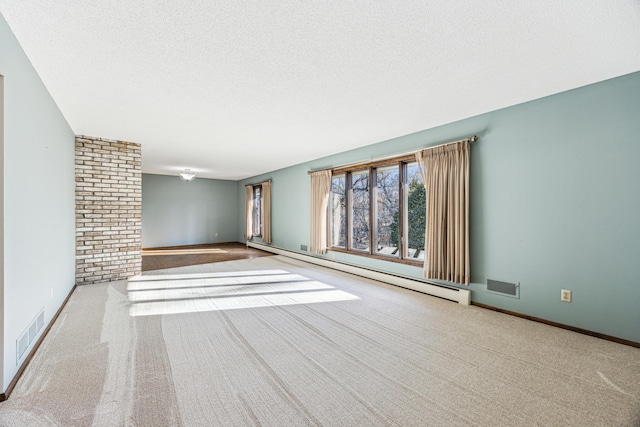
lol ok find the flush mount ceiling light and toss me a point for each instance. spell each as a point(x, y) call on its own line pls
point(187, 175)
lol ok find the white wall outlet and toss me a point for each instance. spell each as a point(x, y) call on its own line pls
point(52, 292)
point(565, 295)
point(216, 234)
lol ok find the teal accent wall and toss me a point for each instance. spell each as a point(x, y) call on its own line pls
point(39, 202)
point(175, 212)
point(555, 204)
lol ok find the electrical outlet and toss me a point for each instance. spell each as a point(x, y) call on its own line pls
point(52, 292)
point(565, 295)
point(216, 234)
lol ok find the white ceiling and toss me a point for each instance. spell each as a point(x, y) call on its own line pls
point(235, 88)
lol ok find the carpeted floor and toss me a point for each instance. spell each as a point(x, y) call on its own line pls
point(276, 342)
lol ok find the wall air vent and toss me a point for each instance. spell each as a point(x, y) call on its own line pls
point(22, 345)
point(40, 320)
point(29, 335)
point(503, 288)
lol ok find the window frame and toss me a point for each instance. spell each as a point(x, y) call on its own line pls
point(403, 192)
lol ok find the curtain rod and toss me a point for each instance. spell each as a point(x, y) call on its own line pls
point(258, 183)
point(473, 138)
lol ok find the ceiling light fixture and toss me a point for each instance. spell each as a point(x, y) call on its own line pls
point(187, 175)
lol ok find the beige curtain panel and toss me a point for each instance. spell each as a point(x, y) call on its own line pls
point(445, 172)
point(266, 212)
point(248, 211)
point(320, 186)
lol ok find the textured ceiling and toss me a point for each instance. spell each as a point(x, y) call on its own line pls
point(235, 88)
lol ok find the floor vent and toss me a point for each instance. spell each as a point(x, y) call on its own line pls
point(503, 288)
point(29, 335)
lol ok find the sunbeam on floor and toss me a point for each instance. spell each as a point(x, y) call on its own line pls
point(192, 293)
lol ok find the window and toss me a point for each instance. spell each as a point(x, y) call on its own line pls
point(415, 218)
point(379, 210)
point(257, 210)
point(359, 213)
point(338, 211)
point(387, 210)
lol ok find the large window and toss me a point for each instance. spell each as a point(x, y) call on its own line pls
point(379, 210)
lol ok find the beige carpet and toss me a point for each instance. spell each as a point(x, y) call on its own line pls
point(276, 342)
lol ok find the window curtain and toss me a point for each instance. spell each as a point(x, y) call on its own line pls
point(248, 203)
point(445, 172)
point(320, 187)
point(266, 212)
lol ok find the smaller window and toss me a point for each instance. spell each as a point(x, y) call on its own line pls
point(415, 214)
point(387, 210)
point(257, 211)
point(338, 211)
point(360, 210)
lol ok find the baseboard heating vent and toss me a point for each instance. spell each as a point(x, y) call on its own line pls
point(29, 335)
point(40, 320)
point(22, 345)
point(503, 288)
point(461, 296)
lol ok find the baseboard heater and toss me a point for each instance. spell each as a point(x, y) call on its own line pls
point(461, 296)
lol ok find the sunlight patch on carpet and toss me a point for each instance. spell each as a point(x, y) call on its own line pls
point(193, 293)
point(189, 276)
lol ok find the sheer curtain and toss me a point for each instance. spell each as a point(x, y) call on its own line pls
point(445, 172)
point(266, 212)
point(320, 186)
point(248, 211)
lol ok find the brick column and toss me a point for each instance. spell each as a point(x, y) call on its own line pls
point(108, 210)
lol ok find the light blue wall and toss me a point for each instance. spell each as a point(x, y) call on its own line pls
point(555, 204)
point(39, 200)
point(175, 212)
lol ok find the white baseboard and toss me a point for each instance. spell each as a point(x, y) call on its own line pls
point(461, 296)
